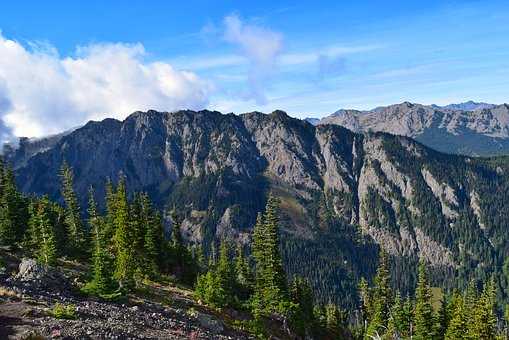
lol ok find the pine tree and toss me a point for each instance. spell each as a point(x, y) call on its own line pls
point(365, 302)
point(110, 227)
point(301, 295)
point(485, 320)
point(124, 262)
point(424, 318)
point(76, 235)
point(47, 252)
point(457, 328)
point(13, 210)
point(442, 318)
point(101, 279)
point(225, 273)
point(243, 274)
point(275, 290)
point(271, 293)
point(177, 245)
point(381, 298)
point(153, 238)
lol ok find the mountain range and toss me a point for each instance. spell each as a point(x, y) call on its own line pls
point(343, 194)
point(475, 129)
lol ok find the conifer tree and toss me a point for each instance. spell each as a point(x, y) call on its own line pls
point(442, 318)
point(365, 302)
point(47, 252)
point(109, 228)
point(301, 295)
point(124, 262)
point(76, 236)
point(13, 210)
point(424, 317)
point(243, 274)
point(382, 298)
point(275, 290)
point(485, 320)
point(101, 280)
point(153, 238)
point(225, 273)
point(457, 328)
point(270, 290)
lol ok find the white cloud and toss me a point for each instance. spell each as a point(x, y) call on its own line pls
point(260, 46)
point(42, 93)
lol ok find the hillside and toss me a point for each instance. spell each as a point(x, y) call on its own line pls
point(342, 193)
point(475, 129)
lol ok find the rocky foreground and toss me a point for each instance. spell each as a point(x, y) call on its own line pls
point(29, 294)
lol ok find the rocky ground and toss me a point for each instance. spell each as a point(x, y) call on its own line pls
point(28, 295)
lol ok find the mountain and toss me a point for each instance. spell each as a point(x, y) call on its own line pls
point(342, 194)
point(475, 129)
point(466, 106)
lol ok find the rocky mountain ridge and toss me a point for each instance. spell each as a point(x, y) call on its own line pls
point(476, 129)
point(341, 192)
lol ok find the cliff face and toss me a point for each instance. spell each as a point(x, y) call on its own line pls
point(341, 192)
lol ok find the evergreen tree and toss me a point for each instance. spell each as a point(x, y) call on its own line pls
point(153, 238)
point(123, 239)
point(270, 288)
point(13, 210)
point(442, 318)
point(457, 328)
point(47, 252)
point(485, 320)
point(101, 266)
point(301, 295)
point(110, 227)
point(76, 236)
point(365, 302)
point(424, 317)
point(382, 298)
point(243, 274)
point(225, 273)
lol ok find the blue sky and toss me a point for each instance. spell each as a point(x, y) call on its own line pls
point(307, 58)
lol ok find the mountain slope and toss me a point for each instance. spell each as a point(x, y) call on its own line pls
point(469, 128)
point(341, 193)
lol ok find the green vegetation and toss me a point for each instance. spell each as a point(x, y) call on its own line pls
point(61, 311)
point(125, 246)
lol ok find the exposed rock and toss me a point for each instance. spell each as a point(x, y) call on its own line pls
point(443, 192)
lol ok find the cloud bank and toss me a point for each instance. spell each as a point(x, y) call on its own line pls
point(42, 93)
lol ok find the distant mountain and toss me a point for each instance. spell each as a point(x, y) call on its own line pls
point(466, 106)
point(475, 129)
point(342, 194)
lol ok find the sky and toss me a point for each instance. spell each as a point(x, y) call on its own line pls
point(63, 63)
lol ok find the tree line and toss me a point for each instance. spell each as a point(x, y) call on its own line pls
point(126, 243)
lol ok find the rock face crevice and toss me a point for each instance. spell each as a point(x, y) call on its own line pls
point(217, 169)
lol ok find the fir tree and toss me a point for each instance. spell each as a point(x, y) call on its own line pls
point(153, 238)
point(485, 320)
point(301, 295)
point(124, 262)
point(243, 274)
point(47, 252)
point(270, 289)
point(101, 266)
point(75, 230)
point(381, 298)
point(424, 318)
point(13, 210)
point(457, 328)
point(225, 273)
